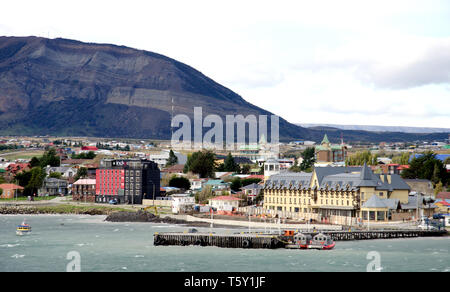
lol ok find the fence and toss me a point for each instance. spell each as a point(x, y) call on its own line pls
point(158, 203)
point(333, 219)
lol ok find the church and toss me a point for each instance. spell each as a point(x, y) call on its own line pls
point(327, 153)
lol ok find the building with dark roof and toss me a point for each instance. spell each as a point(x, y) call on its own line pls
point(333, 191)
point(127, 180)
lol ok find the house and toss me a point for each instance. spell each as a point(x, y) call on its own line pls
point(252, 190)
point(443, 206)
point(53, 187)
point(197, 183)
point(10, 191)
point(182, 203)
point(222, 174)
point(423, 186)
point(224, 203)
point(217, 185)
point(66, 172)
point(84, 190)
point(174, 169)
point(15, 168)
point(162, 158)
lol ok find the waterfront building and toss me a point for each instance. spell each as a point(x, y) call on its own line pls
point(127, 180)
point(84, 190)
point(224, 203)
point(54, 187)
point(338, 191)
point(10, 191)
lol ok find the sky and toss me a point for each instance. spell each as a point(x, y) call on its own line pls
point(334, 62)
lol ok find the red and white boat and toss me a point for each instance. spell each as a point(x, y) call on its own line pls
point(321, 241)
point(306, 241)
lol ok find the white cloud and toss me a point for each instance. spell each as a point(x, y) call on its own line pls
point(355, 62)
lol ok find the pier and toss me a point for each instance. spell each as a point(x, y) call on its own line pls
point(271, 241)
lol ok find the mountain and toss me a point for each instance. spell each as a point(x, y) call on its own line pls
point(69, 88)
point(374, 128)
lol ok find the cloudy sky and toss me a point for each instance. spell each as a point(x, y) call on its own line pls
point(344, 62)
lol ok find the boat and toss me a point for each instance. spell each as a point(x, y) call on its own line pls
point(321, 241)
point(23, 228)
point(306, 241)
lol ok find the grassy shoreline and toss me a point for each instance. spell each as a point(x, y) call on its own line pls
point(61, 209)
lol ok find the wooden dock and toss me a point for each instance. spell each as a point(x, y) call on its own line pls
point(249, 240)
point(271, 241)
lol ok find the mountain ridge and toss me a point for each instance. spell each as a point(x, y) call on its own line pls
point(70, 88)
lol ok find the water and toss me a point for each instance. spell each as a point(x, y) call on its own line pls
point(105, 246)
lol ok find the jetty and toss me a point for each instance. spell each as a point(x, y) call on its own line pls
point(271, 241)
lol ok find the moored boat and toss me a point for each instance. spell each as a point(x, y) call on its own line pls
point(321, 241)
point(23, 228)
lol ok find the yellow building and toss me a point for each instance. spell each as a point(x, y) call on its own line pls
point(339, 191)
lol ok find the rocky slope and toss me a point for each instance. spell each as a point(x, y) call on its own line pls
point(65, 87)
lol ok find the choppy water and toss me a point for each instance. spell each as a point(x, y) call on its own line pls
point(105, 246)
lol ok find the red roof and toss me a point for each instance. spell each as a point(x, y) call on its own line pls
point(177, 168)
point(443, 195)
point(10, 187)
point(15, 167)
point(225, 198)
point(256, 176)
point(404, 166)
point(443, 203)
point(90, 148)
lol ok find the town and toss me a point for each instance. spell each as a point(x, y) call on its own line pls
point(306, 182)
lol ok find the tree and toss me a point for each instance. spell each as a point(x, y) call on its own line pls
point(230, 164)
point(1, 191)
point(201, 163)
point(88, 155)
point(447, 160)
point(36, 179)
point(35, 162)
point(55, 175)
point(295, 167)
point(359, 158)
point(50, 158)
point(180, 182)
point(401, 159)
point(428, 167)
point(249, 181)
point(81, 173)
point(173, 159)
point(438, 188)
point(203, 196)
point(236, 184)
point(308, 159)
point(245, 169)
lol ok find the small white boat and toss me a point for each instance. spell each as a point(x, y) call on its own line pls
point(23, 228)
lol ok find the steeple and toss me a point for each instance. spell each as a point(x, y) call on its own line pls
point(325, 140)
